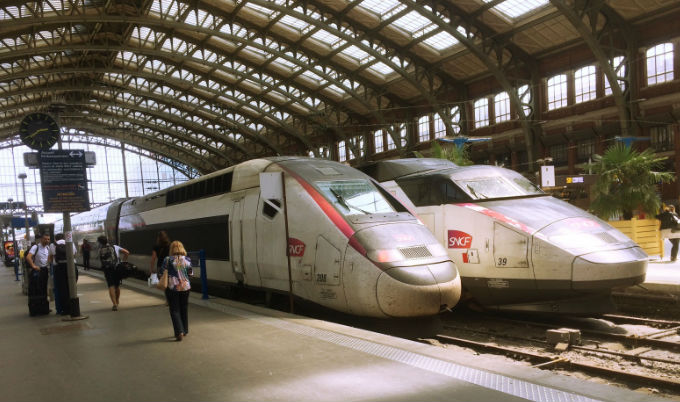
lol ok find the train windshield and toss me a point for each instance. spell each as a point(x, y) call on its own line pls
point(495, 183)
point(353, 197)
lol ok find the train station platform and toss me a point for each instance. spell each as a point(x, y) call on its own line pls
point(239, 352)
point(663, 276)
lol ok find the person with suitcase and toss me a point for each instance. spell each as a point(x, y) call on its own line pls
point(39, 259)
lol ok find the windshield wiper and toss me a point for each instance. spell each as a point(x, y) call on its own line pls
point(344, 202)
point(475, 193)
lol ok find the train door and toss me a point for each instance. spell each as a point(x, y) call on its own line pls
point(328, 262)
point(511, 262)
point(236, 238)
point(510, 248)
point(271, 244)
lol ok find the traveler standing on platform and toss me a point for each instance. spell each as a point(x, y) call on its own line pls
point(160, 250)
point(62, 295)
point(85, 250)
point(179, 269)
point(39, 258)
point(109, 255)
point(669, 223)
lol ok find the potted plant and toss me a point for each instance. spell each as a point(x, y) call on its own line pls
point(455, 154)
point(627, 181)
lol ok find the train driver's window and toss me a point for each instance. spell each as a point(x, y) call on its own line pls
point(451, 194)
point(270, 208)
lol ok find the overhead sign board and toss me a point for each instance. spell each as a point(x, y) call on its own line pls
point(63, 177)
point(32, 159)
point(20, 222)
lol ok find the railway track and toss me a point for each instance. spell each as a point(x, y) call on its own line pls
point(633, 351)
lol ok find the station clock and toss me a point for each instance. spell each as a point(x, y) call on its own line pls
point(39, 131)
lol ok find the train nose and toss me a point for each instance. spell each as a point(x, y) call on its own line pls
point(609, 269)
point(418, 290)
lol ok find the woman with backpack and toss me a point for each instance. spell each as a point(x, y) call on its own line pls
point(109, 255)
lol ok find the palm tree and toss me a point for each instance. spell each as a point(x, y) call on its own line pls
point(455, 154)
point(627, 181)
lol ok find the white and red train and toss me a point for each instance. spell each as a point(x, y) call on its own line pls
point(516, 248)
point(352, 246)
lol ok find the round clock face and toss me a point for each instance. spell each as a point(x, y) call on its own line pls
point(39, 131)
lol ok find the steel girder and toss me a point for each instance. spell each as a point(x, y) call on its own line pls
point(579, 11)
point(95, 109)
point(491, 54)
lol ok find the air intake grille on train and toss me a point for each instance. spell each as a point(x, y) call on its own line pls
point(415, 252)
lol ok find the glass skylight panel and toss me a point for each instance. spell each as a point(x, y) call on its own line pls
point(263, 10)
point(199, 18)
point(517, 8)
point(442, 40)
point(356, 53)
point(282, 60)
point(327, 38)
point(314, 76)
point(143, 33)
point(257, 50)
point(380, 7)
point(336, 89)
point(382, 68)
point(415, 24)
point(165, 8)
point(294, 22)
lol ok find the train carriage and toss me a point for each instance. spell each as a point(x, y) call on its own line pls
point(352, 246)
point(516, 247)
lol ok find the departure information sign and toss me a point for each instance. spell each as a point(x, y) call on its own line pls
point(63, 176)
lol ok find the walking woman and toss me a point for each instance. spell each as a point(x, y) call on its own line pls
point(109, 256)
point(177, 293)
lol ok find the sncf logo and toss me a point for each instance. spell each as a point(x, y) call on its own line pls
point(458, 239)
point(296, 248)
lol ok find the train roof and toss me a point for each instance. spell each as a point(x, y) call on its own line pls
point(395, 168)
point(413, 168)
point(240, 177)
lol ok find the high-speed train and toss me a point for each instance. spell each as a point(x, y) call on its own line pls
point(516, 248)
point(352, 246)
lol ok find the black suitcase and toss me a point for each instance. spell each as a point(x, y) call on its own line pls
point(38, 305)
point(37, 297)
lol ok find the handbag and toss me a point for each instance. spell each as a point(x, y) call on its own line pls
point(152, 280)
point(163, 282)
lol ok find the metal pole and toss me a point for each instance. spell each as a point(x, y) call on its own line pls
point(74, 303)
point(16, 258)
point(125, 178)
point(10, 204)
point(27, 236)
point(204, 278)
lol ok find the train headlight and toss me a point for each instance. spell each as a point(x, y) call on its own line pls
point(385, 256)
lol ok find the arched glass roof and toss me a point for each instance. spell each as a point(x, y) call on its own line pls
point(213, 83)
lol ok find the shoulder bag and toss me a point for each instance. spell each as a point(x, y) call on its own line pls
point(163, 282)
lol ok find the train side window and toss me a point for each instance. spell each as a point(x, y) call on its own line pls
point(411, 189)
point(225, 186)
point(270, 208)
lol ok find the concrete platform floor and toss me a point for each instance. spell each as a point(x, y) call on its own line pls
point(237, 352)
